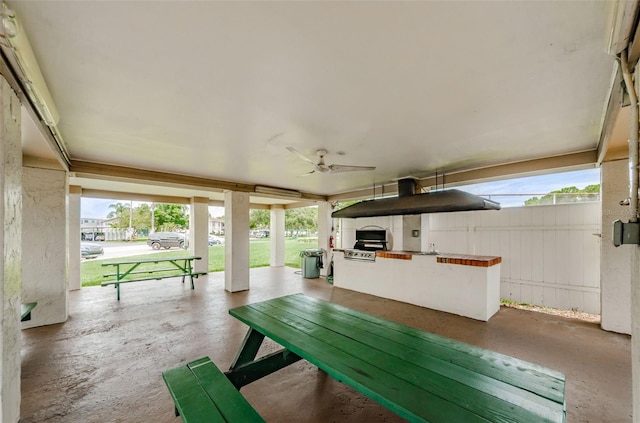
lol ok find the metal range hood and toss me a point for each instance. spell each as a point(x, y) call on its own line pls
point(407, 202)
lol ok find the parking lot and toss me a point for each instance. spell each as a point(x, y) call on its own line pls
point(116, 249)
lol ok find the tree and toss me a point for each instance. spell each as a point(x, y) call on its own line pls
point(142, 217)
point(171, 217)
point(120, 212)
point(565, 195)
point(259, 219)
point(302, 219)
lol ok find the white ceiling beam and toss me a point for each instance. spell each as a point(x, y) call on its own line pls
point(610, 115)
point(623, 25)
point(7, 71)
point(84, 169)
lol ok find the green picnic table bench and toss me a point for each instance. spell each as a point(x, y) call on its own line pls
point(145, 270)
point(420, 376)
point(25, 311)
point(203, 394)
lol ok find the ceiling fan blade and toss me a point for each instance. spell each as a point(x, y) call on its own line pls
point(308, 173)
point(302, 156)
point(347, 168)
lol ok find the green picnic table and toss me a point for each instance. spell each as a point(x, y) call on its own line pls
point(420, 376)
point(127, 271)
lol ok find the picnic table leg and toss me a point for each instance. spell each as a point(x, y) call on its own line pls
point(248, 349)
point(187, 264)
point(246, 369)
point(119, 277)
point(261, 367)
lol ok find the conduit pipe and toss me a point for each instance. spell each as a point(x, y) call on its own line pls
point(633, 137)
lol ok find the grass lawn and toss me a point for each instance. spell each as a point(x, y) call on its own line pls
point(91, 271)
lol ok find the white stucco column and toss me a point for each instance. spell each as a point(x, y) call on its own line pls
point(325, 231)
point(276, 233)
point(44, 245)
point(635, 329)
point(10, 252)
point(236, 238)
point(615, 262)
point(73, 225)
point(199, 232)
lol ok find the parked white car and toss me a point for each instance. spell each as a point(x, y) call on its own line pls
point(90, 250)
point(216, 240)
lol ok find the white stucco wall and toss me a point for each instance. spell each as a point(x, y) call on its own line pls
point(44, 245)
point(615, 273)
point(635, 331)
point(410, 224)
point(392, 223)
point(10, 252)
point(470, 291)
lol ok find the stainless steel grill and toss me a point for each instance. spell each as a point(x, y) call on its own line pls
point(367, 243)
point(360, 255)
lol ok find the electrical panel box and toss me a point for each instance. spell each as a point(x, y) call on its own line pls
point(626, 233)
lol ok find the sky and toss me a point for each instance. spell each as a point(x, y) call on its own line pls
point(541, 184)
point(99, 208)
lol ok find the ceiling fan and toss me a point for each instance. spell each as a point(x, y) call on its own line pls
point(322, 167)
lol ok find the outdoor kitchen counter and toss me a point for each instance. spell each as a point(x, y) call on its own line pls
point(467, 285)
point(463, 259)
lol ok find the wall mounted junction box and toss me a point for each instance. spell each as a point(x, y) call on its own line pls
point(626, 233)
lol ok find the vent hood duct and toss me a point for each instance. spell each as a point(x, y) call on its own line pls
point(407, 202)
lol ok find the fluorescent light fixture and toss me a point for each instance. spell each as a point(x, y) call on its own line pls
point(31, 76)
point(259, 189)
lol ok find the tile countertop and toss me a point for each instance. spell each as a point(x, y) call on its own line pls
point(462, 259)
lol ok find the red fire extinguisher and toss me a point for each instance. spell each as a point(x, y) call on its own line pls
point(331, 241)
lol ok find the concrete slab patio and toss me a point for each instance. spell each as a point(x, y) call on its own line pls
point(104, 364)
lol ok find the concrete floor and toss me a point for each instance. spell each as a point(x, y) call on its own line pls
point(104, 364)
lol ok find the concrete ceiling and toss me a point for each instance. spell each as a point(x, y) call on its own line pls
point(220, 89)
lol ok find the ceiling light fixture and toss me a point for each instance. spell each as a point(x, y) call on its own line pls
point(31, 76)
point(259, 189)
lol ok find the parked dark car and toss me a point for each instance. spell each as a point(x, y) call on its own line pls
point(166, 240)
point(90, 250)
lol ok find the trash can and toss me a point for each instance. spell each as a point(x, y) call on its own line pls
point(311, 262)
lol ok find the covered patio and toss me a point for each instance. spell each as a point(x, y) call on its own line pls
point(237, 104)
point(104, 364)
